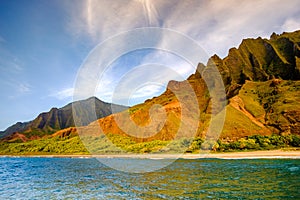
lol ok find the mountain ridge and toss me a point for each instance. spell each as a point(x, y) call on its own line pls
point(258, 73)
point(59, 118)
point(262, 86)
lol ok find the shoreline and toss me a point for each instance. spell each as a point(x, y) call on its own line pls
point(271, 154)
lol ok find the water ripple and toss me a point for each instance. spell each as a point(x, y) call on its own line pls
point(69, 178)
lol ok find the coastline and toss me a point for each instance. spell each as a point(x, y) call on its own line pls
point(269, 154)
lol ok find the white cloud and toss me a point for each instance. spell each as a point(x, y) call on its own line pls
point(151, 78)
point(142, 81)
point(16, 88)
point(174, 62)
point(105, 87)
point(101, 19)
point(291, 25)
point(236, 20)
point(24, 88)
point(147, 91)
point(9, 63)
point(63, 94)
point(215, 25)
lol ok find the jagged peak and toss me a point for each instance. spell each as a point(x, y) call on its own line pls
point(200, 67)
point(215, 56)
point(54, 109)
point(274, 36)
point(92, 98)
point(232, 49)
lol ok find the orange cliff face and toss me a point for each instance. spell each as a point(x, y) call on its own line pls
point(179, 112)
point(161, 118)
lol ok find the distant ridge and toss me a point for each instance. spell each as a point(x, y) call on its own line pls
point(60, 118)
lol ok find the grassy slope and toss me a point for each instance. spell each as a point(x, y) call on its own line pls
point(269, 104)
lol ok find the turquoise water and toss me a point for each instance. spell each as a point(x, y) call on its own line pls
point(75, 178)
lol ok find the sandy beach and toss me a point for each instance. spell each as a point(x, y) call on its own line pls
point(295, 154)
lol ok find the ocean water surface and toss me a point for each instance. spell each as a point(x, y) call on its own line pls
point(87, 178)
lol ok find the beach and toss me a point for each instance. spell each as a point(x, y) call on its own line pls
point(295, 154)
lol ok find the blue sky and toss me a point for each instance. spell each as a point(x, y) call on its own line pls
point(43, 43)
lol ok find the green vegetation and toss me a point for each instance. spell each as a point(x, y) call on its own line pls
point(44, 146)
point(113, 144)
point(259, 142)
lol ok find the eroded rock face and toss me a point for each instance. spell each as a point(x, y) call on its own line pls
point(293, 117)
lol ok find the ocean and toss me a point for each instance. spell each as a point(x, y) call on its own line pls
point(87, 178)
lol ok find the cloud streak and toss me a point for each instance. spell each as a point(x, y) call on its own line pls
point(149, 11)
point(63, 94)
point(11, 73)
point(24, 88)
point(215, 25)
point(291, 25)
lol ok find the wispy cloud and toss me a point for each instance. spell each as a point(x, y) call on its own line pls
point(9, 63)
point(102, 19)
point(215, 25)
point(147, 91)
point(16, 88)
point(148, 76)
point(150, 11)
point(24, 87)
point(291, 25)
point(142, 82)
point(63, 94)
point(236, 20)
point(11, 77)
point(174, 62)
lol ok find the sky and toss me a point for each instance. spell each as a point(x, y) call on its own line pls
point(43, 44)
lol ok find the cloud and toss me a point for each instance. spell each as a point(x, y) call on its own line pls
point(147, 90)
point(15, 88)
point(145, 76)
point(174, 62)
point(236, 20)
point(9, 63)
point(11, 74)
point(215, 25)
point(63, 94)
point(102, 19)
point(149, 11)
point(291, 25)
point(24, 87)
point(152, 78)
